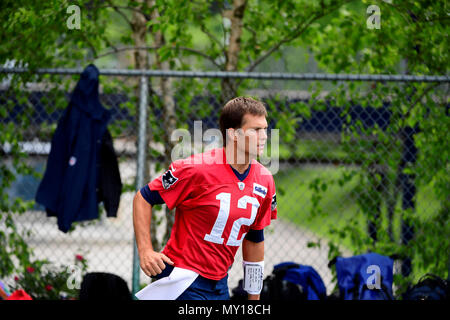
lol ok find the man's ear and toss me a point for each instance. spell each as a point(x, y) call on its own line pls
point(231, 134)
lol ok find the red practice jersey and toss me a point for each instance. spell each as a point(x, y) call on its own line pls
point(214, 210)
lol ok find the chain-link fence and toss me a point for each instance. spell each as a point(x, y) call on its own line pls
point(346, 160)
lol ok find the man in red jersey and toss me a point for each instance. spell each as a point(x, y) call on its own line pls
point(223, 198)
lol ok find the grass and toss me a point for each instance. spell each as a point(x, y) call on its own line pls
point(295, 204)
point(294, 197)
point(314, 149)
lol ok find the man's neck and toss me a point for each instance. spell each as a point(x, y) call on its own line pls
point(241, 163)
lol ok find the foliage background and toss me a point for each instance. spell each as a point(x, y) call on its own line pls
point(284, 36)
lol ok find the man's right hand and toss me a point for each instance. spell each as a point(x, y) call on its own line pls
point(152, 262)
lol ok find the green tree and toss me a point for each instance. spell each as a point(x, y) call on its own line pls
point(237, 35)
point(411, 40)
point(241, 35)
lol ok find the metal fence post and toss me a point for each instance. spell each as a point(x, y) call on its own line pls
point(141, 151)
point(409, 193)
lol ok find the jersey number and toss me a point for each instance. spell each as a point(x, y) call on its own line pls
point(216, 233)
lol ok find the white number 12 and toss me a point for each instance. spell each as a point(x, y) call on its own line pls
point(216, 233)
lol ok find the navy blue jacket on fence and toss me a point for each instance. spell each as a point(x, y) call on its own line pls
point(69, 188)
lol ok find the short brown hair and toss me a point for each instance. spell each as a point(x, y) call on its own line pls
point(234, 110)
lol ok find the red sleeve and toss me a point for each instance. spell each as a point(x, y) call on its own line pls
point(173, 185)
point(268, 209)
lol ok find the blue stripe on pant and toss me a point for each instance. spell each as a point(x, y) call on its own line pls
point(202, 288)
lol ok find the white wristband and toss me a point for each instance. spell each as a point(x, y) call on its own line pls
point(253, 276)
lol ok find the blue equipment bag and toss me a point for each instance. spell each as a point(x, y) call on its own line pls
point(288, 281)
point(365, 277)
point(288, 275)
point(429, 287)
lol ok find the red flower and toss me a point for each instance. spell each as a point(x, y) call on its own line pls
point(48, 287)
point(16, 278)
point(79, 257)
point(30, 269)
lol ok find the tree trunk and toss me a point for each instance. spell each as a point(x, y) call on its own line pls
point(236, 17)
point(168, 106)
point(141, 61)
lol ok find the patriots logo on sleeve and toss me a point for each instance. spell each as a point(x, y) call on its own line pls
point(168, 179)
point(274, 202)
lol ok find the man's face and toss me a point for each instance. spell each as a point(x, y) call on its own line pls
point(252, 136)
